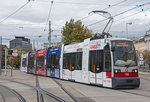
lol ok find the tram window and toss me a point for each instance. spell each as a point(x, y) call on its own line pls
point(107, 62)
point(68, 60)
point(53, 59)
point(65, 61)
point(57, 61)
point(40, 61)
point(31, 62)
point(49, 61)
point(24, 62)
point(79, 61)
point(54, 62)
point(92, 61)
point(72, 60)
point(106, 48)
point(99, 61)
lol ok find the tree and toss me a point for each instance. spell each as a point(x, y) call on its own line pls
point(27, 50)
point(75, 32)
point(17, 59)
point(3, 55)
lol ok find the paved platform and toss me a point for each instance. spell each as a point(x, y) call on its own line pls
point(81, 92)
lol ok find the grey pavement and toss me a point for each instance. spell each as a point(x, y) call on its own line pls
point(82, 92)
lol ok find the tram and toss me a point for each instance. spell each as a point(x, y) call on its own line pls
point(109, 62)
point(31, 60)
point(24, 62)
point(53, 62)
point(40, 59)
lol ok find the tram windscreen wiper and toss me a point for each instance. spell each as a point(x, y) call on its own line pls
point(123, 63)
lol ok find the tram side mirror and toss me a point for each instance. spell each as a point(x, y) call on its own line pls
point(112, 49)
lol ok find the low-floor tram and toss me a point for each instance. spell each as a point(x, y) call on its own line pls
point(107, 62)
point(40, 60)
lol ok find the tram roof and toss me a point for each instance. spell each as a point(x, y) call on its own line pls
point(119, 39)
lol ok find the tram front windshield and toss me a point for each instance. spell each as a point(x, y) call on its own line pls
point(124, 53)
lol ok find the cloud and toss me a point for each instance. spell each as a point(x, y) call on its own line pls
point(32, 18)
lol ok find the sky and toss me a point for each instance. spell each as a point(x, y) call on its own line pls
point(30, 19)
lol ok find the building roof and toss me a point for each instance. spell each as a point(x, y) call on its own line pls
point(19, 37)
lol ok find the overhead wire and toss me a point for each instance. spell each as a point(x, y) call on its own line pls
point(128, 16)
point(143, 11)
point(14, 12)
point(79, 3)
point(74, 3)
point(120, 13)
point(131, 15)
point(109, 6)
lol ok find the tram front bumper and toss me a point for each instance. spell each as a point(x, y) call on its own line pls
point(125, 82)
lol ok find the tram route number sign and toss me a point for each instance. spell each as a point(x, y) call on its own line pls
point(14, 54)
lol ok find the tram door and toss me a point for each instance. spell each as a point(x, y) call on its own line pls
point(107, 67)
point(96, 66)
point(72, 58)
point(76, 66)
point(72, 66)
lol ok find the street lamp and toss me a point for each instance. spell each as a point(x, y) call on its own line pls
point(127, 28)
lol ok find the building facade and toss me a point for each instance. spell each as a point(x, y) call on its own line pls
point(147, 40)
point(44, 45)
point(22, 42)
point(140, 45)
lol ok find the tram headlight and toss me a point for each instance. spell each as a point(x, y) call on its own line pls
point(135, 71)
point(117, 70)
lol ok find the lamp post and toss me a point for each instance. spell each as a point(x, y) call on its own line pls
point(127, 28)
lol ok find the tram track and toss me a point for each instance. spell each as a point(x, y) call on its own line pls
point(134, 93)
point(18, 96)
point(40, 91)
point(2, 97)
point(65, 90)
point(47, 93)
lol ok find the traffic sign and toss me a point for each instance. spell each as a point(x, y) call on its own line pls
point(14, 54)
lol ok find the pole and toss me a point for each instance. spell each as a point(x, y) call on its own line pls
point(37, 44)
point(34, 45)
point(6, 60)
point(49, 36)
point(127, 29)
point(0, 55)
point(11, 66)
